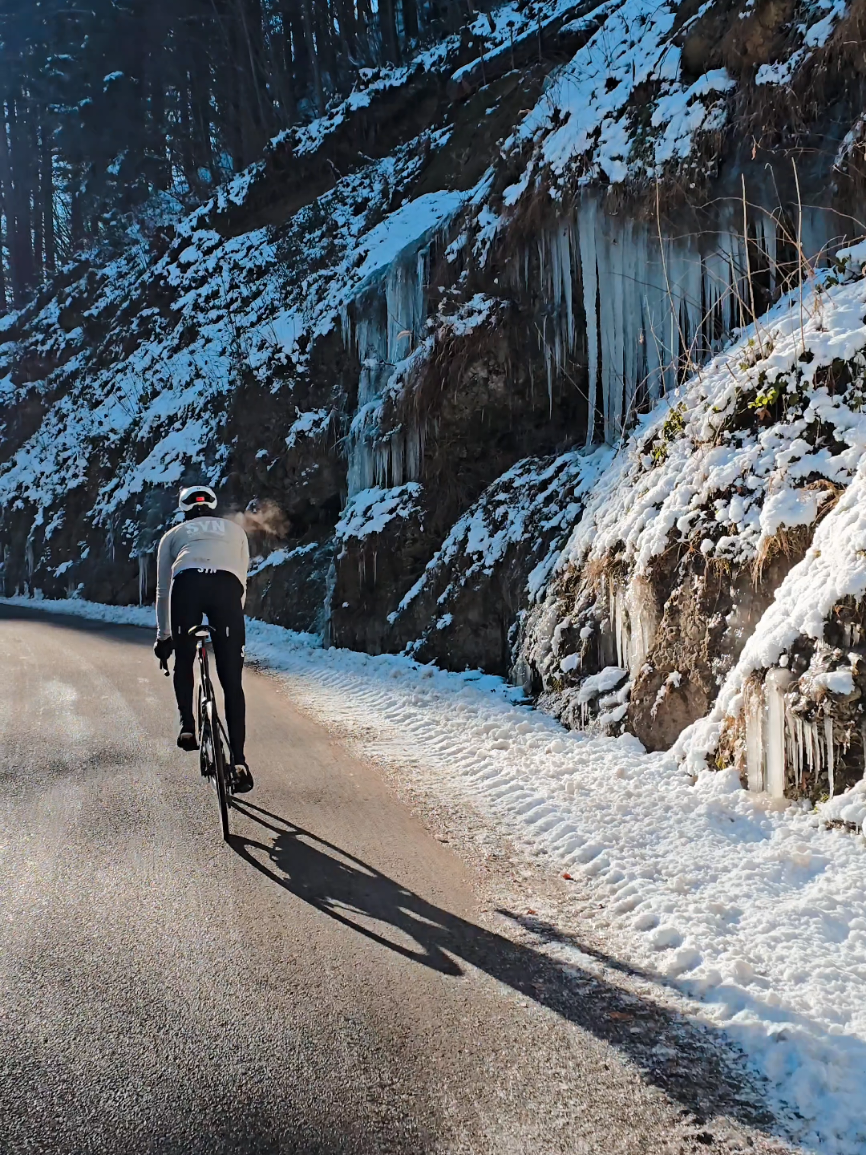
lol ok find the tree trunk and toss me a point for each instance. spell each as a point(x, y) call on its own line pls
point(251, 20)
point(4, 302)
point(346, 19)
point(388, 28)
point(38, 212)
point(318, 91)
point(12, 170)
point(410, 19)
point(47, 189)
point(287, 95)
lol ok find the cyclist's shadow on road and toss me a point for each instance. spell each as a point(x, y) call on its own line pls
point(711, 1080)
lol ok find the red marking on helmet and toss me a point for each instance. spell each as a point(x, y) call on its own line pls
point(201, 497)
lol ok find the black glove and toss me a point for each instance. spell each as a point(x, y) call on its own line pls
point(163, 648)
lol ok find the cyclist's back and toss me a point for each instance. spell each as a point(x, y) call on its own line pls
point(202, 571)
point(207, 543)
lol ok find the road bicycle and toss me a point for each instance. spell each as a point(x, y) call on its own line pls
point(212, 737)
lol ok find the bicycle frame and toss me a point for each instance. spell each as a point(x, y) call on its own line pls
point(206, 687)
point(213, 739)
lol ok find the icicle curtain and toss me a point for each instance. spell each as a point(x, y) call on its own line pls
point(640, 312)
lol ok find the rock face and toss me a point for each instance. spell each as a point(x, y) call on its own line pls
point(466, 606)
point(702, 627)
point(406, 345)
point(477, 409)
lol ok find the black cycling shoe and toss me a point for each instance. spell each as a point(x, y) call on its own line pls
point(186, 739)
point(243, 779)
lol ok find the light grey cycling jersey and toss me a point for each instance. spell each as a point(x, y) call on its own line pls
point(205, 543)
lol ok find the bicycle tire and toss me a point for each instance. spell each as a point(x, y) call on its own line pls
point(219, 771)
point(205, 762)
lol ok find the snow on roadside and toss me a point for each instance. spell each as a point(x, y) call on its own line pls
point(754, 913)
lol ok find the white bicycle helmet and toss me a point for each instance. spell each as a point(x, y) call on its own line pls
point(197, 497)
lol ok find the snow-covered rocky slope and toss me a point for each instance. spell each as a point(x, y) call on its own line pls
point(407, 342)
point(717, 569)
point(499, 252)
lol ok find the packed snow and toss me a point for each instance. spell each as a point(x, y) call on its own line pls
point(751, 910)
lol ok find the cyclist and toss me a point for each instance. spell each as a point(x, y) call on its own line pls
point(201, 569)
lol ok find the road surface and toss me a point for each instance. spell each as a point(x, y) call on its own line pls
point(325, 984)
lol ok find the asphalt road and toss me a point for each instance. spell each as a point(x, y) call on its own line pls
point(325, 984)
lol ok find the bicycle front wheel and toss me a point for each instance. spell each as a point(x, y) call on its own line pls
point(220, 771)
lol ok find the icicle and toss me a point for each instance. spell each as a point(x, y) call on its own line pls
point(607, 325)
point(793, 727)
point(775, 684)
point(327, 605)
point(754, 709)
point(142, 578)
point(828, 740)
point(728, 281)
point(691, 280)
point(346, 326)
point(642, 624)
point(802, 751)
point(814, 749)
point(767, 225)
point(613, 368)
point(650, 312)
point(791, 743)
point(389, 323)
point(567, 285)
point(589, 277)
point(619, 626)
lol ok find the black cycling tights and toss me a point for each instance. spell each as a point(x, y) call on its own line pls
point(217, 594)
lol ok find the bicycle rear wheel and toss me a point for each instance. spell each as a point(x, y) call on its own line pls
point(220, 770)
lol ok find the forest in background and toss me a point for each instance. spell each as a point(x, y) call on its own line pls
point(107, 103)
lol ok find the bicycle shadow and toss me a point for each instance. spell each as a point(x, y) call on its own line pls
point(708, 1077)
